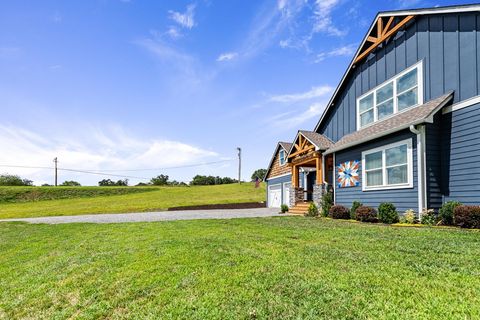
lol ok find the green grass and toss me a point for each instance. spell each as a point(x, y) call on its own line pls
point(153, 199)
point(276, 268)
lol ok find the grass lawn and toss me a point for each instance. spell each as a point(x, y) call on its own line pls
point(91, 200)
point(276, 268)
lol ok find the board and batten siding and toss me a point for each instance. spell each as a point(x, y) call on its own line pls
point(448, 45)
point(461, 155)
point(433, 163)
point(403, 199)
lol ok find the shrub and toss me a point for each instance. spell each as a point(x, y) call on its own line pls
point(312, 210)
point(429, 217)
point(355, 206)
point(366, 214)
point(283, 208)
point(13, 180)
point(339, 212)
point(446, 212)
point(467, 216)
point(409, 217)
point(71, 184)
point(327, 203)
point(387, 213)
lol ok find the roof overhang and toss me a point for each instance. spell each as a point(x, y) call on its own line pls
point(279, 145)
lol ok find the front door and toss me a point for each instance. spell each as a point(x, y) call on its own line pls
point(311, 178)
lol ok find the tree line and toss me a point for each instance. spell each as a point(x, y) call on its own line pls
point(160, 180)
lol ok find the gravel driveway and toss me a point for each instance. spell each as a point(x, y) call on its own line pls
point(155, 216)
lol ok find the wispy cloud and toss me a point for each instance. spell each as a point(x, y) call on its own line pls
point(315, 92)
point(402, 4)
point(291, 120)
point(101, 149)
point(323, 18)
point(347, 51)
point(173, 32)
point(227, 56)
point(186, 19)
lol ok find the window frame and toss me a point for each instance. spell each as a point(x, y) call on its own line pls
point(280, 157)
point(394, 80)
point(385, 185)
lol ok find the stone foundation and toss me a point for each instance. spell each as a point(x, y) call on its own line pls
point(296, 195)
point(318, 191)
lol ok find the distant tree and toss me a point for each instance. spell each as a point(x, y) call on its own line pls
point(71, 183)
point(161, 180)
point(143, 184)
point(46, 185)
point(259, 173)
point(110, 183)
point(14, 180)
point(200, 180)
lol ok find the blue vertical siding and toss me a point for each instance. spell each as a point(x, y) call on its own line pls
point(402, 198)
point(448, 45)
point(461, 155)
point(433, 163)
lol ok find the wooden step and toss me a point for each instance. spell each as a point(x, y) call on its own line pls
point(299, 208)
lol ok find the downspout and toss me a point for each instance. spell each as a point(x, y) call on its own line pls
point(421, 177)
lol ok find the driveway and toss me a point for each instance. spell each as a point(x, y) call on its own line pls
point(154, 216)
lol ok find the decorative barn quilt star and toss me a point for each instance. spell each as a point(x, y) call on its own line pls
point(348, 174)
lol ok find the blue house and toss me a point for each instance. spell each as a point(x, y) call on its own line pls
point(403, 124)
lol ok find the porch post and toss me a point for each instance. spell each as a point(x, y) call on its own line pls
point(318, 164)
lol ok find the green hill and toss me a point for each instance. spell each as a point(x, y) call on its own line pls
point(22, 202)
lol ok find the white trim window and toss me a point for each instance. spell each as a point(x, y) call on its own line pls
point(388, 167)
point(282, 157)
point(400, 93)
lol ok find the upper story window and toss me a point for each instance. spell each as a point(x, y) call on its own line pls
point(282, 157)
point(405, 90)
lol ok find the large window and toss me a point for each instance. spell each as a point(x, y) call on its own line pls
point(397, 94)
point(282, 158)
point(388, 167)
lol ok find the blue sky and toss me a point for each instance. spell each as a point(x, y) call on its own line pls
point(132, 84)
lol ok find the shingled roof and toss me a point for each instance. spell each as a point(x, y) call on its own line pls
point(403, 120)
point(286, 145)
point(319, 140)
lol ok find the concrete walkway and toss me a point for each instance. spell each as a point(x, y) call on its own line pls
point(154, 216)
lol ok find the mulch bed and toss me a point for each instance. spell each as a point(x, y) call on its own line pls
point(246, 205)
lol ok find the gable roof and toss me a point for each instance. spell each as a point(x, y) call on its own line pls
point(281, 144)
point(400, 121)
point(319, 140)
point(395, 13)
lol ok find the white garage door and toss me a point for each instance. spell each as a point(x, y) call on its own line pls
point(275, 196)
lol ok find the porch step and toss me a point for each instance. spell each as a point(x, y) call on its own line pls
point(299, 208)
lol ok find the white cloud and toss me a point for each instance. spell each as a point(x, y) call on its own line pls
point(185, 19)
point(402, 4)
point(173, 32)
point(322, 15)
point(347, 51)
point(291, 120)
point(110, 149)
point(227, 56)
point(315, 92)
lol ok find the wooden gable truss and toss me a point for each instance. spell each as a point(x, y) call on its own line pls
point(303, 153)
point(385, 27)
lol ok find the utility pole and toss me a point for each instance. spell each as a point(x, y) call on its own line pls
point(239, 164)
point(56, 170)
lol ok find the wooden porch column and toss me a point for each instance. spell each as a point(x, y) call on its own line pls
point(295, 176)
point(318, 164)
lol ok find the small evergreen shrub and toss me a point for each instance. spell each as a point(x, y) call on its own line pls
point(355, 206)
point(283, 208)
point(387, 213)
point(327, 203)
point(339, 212)
point(409, 217)
point(429, 217)
point(467, 216)
point(366, 214)
point(446, 212)
point(312, 210)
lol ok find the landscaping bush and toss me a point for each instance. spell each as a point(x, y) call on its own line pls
point(446, 212)
point(467, 216)
point(387, 213)
point(366, 214)
point(355, 206)
point(283, 208)
point(409, 217)
point(312, 210)
point(339, 212)
point(429, 217)
point(327, 203)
